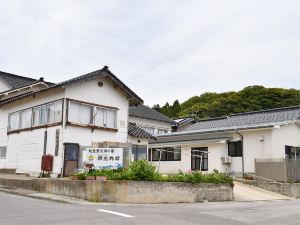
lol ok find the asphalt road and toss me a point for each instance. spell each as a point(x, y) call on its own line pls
point(22, 210)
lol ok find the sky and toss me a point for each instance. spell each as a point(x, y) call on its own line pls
point(162, 49)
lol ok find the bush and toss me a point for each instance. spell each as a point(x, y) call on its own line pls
point(143, 170)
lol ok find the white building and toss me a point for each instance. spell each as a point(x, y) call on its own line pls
point(61, 119)
point(244, 137)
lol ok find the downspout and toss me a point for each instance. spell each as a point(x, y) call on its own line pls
point(242, 139)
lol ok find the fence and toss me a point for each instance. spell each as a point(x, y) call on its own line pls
point(283, 170)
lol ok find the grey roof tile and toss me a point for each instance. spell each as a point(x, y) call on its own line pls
point(16, 81)
point(249, 119)
point(105, 72)
point(135, 131)
point(143, 111)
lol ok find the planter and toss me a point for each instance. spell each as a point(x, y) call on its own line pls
point(74, 177)
point(101, 178)
point(90, 178)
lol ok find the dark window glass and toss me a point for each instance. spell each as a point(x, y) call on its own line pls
point(235, 149)
point(196, 155)
point(71, 152)
point(139, 152)
point(292, 152)
point(167, 154)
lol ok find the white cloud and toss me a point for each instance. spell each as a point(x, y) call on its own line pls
point(164, 50)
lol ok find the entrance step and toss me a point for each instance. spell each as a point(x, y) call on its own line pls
point(244, 192)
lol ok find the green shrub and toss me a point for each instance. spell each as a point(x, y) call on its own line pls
point(142, 170)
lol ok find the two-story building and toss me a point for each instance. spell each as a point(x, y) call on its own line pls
point(62, 119)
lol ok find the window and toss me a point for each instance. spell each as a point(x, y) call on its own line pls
point(292, 152)
point(3, 152)
point(167, 154)
point(235, 149)
point(85, 114)
point(139, 152)
point(14, 121)
point(54, 112)
point(37, 116)
point(25, 118)
point(196, 155)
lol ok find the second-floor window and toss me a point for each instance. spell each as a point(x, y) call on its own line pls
point(45, 114)
point(86, 114)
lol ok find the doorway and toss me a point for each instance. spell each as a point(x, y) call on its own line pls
point(70, 158)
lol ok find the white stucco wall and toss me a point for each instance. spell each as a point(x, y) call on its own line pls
point(151, 123)
point(216, 152)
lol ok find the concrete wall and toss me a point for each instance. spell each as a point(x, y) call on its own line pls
point(128, 191)
point(291, 190)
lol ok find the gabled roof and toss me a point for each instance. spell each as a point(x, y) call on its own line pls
point(135, 131)
point(104, 72)
point(143, 111)
point(17, 81)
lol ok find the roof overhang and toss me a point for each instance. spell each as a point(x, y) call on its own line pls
point(131, 96)
point(191, 139)
point(5, 93)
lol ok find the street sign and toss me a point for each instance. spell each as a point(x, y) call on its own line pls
point(104, 157)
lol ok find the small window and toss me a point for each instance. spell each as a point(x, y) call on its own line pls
point(292, 152)
point(235, 149)
point(3, 152)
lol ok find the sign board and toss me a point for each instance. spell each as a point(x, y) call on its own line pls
point(104, 157)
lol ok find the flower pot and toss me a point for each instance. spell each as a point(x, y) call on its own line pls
point(90, 177)
point(101, 178)
point(74, 177)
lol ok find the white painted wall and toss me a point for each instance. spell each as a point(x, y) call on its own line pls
point(216, 151)
point(151, 123)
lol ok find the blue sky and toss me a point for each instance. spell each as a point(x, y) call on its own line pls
point(164, 50)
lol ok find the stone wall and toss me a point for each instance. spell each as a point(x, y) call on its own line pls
point(128, 191)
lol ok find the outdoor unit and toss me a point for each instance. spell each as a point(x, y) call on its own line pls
point(226, 159)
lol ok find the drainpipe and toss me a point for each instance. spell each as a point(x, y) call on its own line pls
point(242, 139)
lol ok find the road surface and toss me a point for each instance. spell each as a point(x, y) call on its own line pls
point(15, 210)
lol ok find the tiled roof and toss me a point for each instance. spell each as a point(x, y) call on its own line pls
point(105, 72)
point(16, 81)
point(135, 131)
point(182, 121)
point(143, 111)
point(250, 119)
point(244, 121)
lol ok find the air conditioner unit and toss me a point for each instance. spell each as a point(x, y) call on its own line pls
point(226, 160)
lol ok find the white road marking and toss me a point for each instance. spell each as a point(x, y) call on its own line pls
point(115, 213)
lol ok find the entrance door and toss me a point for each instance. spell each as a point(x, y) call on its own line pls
point(196, 155)
point(70, 158)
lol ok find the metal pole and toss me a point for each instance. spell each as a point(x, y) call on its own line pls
point(159, 160)
point(201, 156)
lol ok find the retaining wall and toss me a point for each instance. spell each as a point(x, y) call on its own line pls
point(288, 189)
point(128, 191)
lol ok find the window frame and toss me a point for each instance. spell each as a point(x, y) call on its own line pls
point(32, 126)
point(93, 125)
point(165, 156)
point(235, 151)
point(194, 156)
